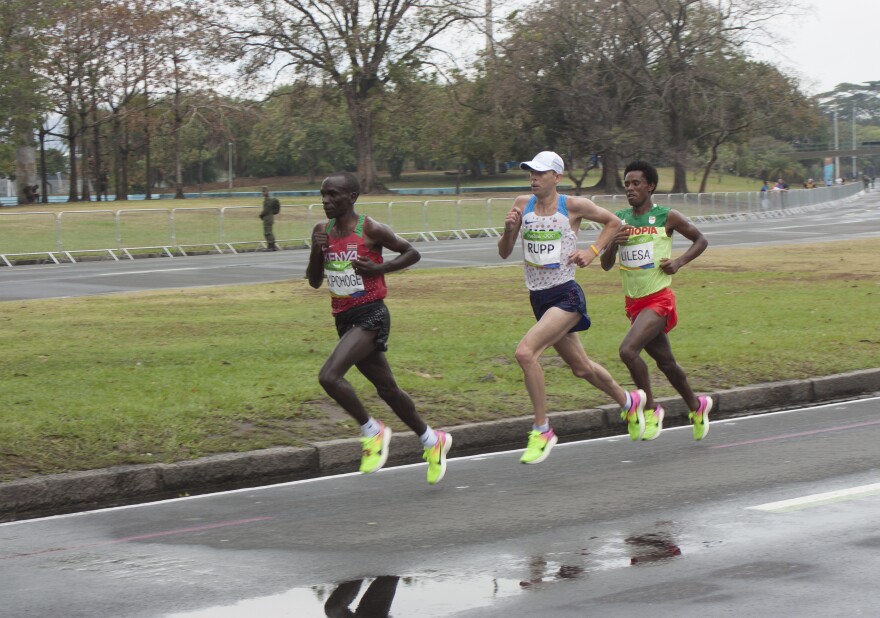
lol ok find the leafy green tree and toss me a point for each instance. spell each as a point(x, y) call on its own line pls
point(565, 64)
point(357, 46)
point(302, 129)
point(22, 103)
point(746, 98)
point(678, 44)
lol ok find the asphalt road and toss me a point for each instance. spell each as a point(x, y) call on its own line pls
point(604, 527)
point(848, 220)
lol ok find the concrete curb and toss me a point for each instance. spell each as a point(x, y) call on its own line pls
point(92, 489)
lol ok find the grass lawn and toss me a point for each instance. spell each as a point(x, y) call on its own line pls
point(170, 375)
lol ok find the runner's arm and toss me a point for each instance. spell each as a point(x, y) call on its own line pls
point(315, 268)
point(380, 234)
point(582, 208)
point(512, 224)
point(677, 222)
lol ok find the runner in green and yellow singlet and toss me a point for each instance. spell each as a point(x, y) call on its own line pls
point(644, 249)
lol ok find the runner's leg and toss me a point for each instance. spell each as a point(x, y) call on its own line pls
point(376, 369)
point(572, 352)
point(646, 327)
point(552, 327)
point(660, 349)
point(354, 346)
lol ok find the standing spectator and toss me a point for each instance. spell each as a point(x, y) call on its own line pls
point(29, 194)
point(781, 188)
point(271, 207)
point(765, 188)
point(103, 185)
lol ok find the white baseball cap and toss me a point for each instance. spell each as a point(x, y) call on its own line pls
point(543, 162)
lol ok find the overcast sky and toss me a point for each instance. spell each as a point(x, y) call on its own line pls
point(836, 41)
point(827, 43)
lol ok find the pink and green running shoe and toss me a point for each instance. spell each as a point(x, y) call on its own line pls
point(700, 418)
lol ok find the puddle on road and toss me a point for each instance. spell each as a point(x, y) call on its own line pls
point(434, 595)
point(372, 598)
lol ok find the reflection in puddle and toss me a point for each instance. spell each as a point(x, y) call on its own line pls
point(426, 597)
point(652, 547)
point(543, 572)
point(376, 602)
point(434, 595)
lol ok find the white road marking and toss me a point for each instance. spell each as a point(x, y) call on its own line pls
point(806, 502)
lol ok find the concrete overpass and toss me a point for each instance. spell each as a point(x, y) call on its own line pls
point(823, 151)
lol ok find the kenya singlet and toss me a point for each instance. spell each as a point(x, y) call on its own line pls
point(640, 255)
point(347, 288)
point(547, 242)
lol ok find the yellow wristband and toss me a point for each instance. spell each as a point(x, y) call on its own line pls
point(595, 250)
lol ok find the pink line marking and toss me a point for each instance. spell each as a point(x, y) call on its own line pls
point(797, 435)
point(141, 537)
point(154, 535)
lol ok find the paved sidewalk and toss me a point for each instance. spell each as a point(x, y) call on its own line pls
point(81, 491)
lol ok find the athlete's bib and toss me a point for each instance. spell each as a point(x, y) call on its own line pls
point(637, 256)
point(342, 280)
point(543, 248)
point(643, 252)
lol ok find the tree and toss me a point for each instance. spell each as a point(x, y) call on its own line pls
point(864, 98)
point(675, 40)
point(356, 45)
point(180, 41)
point(301, 129)
point(71, 48)
point(747, 98)
point(565, 64)
point(21, 100)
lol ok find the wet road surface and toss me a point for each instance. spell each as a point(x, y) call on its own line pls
point(604, 527)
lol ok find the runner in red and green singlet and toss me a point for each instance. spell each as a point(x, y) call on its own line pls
point(347, 252)
point(644, 248)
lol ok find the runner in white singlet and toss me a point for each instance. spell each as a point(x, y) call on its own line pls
point(548, 225)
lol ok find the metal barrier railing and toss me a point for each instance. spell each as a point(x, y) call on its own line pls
point(139, 231)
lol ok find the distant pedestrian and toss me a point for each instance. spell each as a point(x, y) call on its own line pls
point(30, 194)
point(347, 251)
point(271, 207)
point(103, 186)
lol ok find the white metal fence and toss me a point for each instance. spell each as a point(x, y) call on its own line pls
point(119, 234)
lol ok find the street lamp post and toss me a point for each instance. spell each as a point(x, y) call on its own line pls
point(838, 173)
point(230, 166)
point(854, 140)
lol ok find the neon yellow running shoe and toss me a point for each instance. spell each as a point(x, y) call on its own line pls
point(635, 415)
point(436, 457)
point(700, 418)
point(653, 423)
point(539, 447)
point(375, 450)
